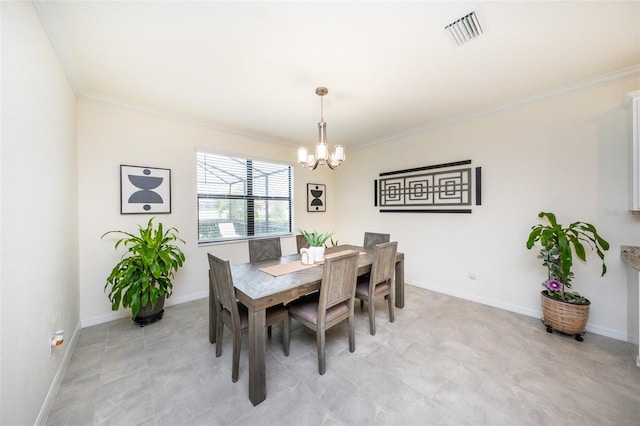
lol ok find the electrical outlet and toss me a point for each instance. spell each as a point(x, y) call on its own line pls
point(56, 340)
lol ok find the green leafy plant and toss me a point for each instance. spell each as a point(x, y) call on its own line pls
point(315, 238)
point(145, 271)
point(558, 244)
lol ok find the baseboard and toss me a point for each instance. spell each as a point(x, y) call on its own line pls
point(57, 380)
point(123, 313)
point(595, 329)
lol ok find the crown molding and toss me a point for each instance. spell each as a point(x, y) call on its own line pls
point(50, 19)
point(612, 77)
point(107, 100)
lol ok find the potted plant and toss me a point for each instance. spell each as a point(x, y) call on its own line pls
point(563, 310)
point(142, 278)
point(316, 242)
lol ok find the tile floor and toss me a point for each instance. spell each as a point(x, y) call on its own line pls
point(444, 361)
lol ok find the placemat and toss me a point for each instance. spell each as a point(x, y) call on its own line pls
point(286, 268)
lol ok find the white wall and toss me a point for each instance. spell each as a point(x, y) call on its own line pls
point(39, 256)
point(110, 135)
point(568, 154)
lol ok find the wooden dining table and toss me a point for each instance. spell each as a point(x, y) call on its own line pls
point(258, 290)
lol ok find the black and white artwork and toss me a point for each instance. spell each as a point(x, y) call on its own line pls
point(144, 190)
point(438, 188)
point(316, 197)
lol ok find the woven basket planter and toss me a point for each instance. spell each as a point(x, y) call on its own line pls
point(564, 317)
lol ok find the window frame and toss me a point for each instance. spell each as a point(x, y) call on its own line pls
point(248, 197)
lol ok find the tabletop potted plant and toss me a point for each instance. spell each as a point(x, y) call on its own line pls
point(141, 280)
point(564, 311)
point(317, 242)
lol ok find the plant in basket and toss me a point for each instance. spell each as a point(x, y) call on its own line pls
point(557, 246)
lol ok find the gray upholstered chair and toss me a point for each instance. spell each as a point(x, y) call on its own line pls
point(301, 242)
point(332, 304)
point(234, 314)
point(264, 249)
point(372, 239)
point(379, 283)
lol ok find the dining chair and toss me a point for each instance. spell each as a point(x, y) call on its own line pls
point(333, 304)
point(234, 314)
point(372, 239)
point(301, 242)
point(264, 249)
point(379, 282)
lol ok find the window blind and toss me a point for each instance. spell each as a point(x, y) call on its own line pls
point(242, 198)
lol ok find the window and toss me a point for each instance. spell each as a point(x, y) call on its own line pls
point(240, 198)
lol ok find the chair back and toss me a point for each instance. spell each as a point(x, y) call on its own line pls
point(223, 291)
point(339, 277)
point(301, 242)
point(264, 249)
point(384, 264)
point(372, 239)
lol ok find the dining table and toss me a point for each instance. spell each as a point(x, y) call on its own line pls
point(259, 290)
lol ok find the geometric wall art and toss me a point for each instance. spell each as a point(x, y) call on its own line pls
point(439, 188)
point(144, 190)
point(316, 197)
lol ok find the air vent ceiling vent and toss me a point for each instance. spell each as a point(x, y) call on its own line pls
point(464, 29)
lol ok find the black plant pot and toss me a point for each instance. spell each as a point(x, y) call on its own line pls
point(147, 314)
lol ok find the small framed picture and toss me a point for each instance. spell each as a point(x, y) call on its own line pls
point(316, 197)
point(144, 190)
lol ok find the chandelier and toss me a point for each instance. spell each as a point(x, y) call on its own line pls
point(322, 155)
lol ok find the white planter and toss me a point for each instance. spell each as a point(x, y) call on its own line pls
point(318, 253)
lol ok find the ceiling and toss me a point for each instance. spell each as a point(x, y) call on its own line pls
point(390, 67)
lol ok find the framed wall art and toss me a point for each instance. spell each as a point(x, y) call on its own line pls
point(144, 190)
point(438, 188)
point(316, 197)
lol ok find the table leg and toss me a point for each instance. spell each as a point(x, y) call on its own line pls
point(257, 349)
point(212, 313)
point(400, 284)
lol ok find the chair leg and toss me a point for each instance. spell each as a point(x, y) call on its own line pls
point(390, 303)
point(286, 333)
point(237, 335)
point(361, 304)
point(219, 336)
point(352, 334)
point(371, 303)
point(322, 362)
